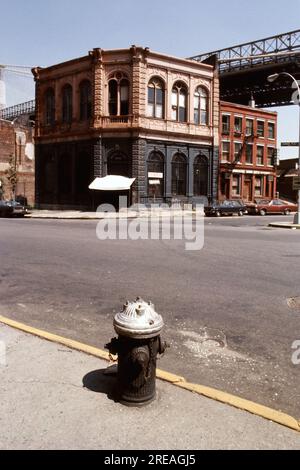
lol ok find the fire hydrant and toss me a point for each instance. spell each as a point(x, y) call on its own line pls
point(138, 327)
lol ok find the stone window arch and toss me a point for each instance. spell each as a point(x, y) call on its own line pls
point(118, 95)
point(179, 101)
point(201, 176)
point(85, 100)
point(156, 174)
point(156, 98)
point(201, 102)
point(118, 164)
point(179, 175)
point(67, 104)
point(49, 107)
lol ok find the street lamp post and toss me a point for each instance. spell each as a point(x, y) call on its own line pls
point(271, 79)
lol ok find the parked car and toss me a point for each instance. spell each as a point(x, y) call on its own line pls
point(227, 207)
point(5, 210)
point(271, 206)
point(13, 209)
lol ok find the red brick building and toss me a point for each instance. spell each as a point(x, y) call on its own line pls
point(17, 151)
point(248, 140)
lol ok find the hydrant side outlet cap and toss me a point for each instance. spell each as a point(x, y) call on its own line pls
point(138, 320)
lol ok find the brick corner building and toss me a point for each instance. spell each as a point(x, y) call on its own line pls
point(17, 151)
point(248, 152)
point(131, 112)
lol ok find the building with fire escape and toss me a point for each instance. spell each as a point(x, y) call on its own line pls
point(248, 143)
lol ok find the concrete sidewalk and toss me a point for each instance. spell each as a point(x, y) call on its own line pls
point(130, 214)
point(53, 397)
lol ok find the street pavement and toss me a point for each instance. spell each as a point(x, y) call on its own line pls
point(53, 397)
point(226, 307)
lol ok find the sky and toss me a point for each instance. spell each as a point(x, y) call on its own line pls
point(42, 32)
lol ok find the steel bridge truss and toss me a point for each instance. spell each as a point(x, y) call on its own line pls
point(18, 110)
point(276, 49)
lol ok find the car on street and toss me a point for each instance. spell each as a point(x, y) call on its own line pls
point(12, 209)
point(5, 210)
point(227, 207)
point(271, 206)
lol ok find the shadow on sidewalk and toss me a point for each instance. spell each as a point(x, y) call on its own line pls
point(102, 381)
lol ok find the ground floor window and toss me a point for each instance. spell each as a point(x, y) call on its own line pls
point(118, 164)
point(200, 176)
point(259, 186)
point(65, 175)
point(155, 167)
point(179, 175)
point(236, 185)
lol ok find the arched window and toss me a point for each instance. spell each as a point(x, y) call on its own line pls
point(118, 95)
point(179, 102)
point(118, 164)
point(49, 107)
point(67, 105)
point(179, 175)
point(156, 98)
point(200, 176)
point(85, 97)
point(201, 106)
point(155, 167)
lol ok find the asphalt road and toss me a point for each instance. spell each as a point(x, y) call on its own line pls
point(225, 306)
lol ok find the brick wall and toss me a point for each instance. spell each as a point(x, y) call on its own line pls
point(16, 142)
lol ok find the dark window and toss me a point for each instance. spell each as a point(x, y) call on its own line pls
point(155, 168)
point(118, 164)
point(249, 153)
point(113, 98)
point(65, 176)
point(156, 99)
point(260, 128)
point(225, 124)
point(200, 176)
point(201, 106)
point(238, 148)
point(179, 175)
point(260, 155)
point(238, 124)
point(179, 100)
point(225, 151)
point(271, 130)
point(85, 100)
point(118, 95)
point(271, 156)
point(249, 127)
point(67, 107)
point(49, 107)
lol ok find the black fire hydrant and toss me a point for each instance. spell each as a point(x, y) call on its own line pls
point(137, 347)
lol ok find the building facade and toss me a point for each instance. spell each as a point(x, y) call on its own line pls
point(248, 152)
point(288, 169)
point(17, 159)
point(131, 112)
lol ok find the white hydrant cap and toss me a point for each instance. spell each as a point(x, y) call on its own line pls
point(138, 320)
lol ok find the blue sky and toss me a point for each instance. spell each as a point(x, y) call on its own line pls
point(39, 32)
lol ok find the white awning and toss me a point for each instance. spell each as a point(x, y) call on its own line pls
point(112, 183)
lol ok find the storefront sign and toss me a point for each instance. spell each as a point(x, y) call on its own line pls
point(154, 181)
point(155, 175)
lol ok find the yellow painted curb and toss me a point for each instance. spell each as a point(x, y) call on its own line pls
point(214, 394)
point(56, 339)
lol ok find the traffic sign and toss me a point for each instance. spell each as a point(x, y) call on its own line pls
point(289, 144)
point(296, 183)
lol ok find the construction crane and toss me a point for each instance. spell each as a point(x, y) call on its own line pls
point(20, 70)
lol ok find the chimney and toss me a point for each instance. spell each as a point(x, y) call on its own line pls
point(252, 102)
